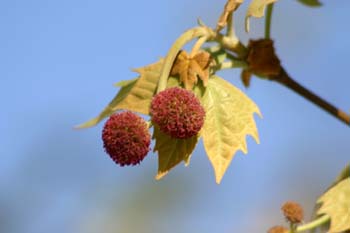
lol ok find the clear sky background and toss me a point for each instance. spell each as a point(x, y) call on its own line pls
point(58, 61)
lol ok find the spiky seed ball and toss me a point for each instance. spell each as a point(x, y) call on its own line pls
point(126, 138)
point(177, 112)
point(278, 229)
point(293, 212)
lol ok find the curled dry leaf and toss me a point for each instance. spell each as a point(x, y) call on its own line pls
point(262, 59)
point(246, 76)
point(190, 68)
point(230, 7)
point(256, 9)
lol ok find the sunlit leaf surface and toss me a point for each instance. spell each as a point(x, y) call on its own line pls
point(336, 203)
point(229, 119)
point(135, 95)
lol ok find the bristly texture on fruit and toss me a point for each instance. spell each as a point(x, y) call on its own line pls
point(293, 212)
point(278, 229)
point(126, 138)
point(177, 112)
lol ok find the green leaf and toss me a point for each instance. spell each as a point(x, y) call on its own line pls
point(229, 119)
point(256, 9)
point(135, 95)
point(311, 3)
point(172, 151)
point(336, 204)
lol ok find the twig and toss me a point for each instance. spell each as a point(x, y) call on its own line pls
point(230, 32)
point(287, 81)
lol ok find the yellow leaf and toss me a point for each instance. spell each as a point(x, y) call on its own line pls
point(123, 92)
point(139, 98)
point(336, 204)
point(256, 9)
point(229, 119)
point(344, 174)
point(124, 83)
point(135, 95)
point(171, 151)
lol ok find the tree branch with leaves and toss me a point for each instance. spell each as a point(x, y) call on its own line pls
point(187, 101)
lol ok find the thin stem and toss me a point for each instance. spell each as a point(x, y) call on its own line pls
point(284, 79)
point(197, 46)
point(232, 44)
point(311, 225)
point(221, 55)
point(175, 48)
point(287, 81)
point(214, 49)
point(268, 20)
point(230, 65)
point(230, 32)
point(292, 228)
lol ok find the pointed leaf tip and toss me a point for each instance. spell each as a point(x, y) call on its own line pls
point(135, 95)
point(256, 9)
point(229, 119)
point(171, 151)
point(124, 83)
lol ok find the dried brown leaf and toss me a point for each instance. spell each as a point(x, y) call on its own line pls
point(230, 7)
point(190, 68)
point(203, 59)
point(262, 59)
point(246, 76)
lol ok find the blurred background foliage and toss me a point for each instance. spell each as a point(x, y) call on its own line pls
point(58, 62)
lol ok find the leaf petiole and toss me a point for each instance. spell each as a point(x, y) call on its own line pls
point(316, 223)
point(197, 46)
point(175, 48)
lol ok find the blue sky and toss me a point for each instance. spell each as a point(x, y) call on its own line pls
point(58, 61)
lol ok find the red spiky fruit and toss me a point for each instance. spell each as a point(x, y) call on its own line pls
point(177, 112)
point(126, 138)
